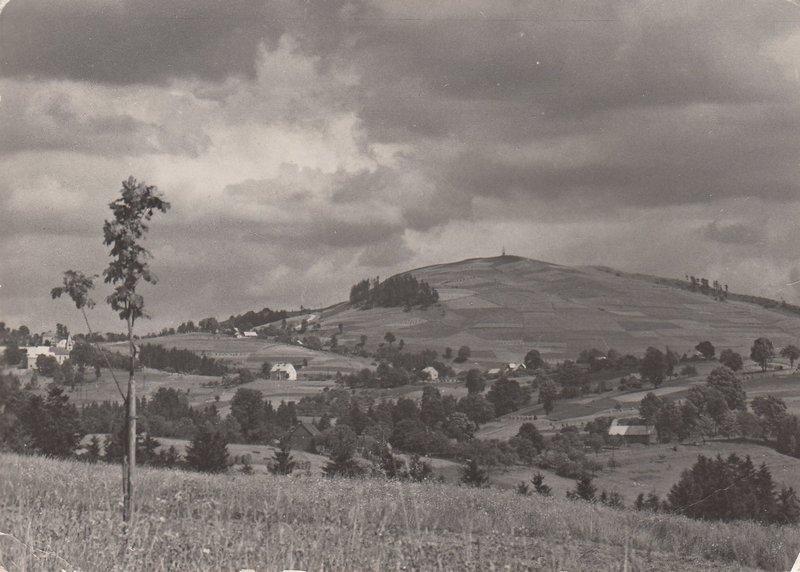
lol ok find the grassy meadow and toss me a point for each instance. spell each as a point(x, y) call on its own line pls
point(64, 515)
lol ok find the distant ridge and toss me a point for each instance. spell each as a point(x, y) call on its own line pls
point(503, 306)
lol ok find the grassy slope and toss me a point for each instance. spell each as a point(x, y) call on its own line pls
point(67, 516)
point(502, 307)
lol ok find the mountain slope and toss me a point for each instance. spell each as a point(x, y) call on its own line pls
point(502, 307)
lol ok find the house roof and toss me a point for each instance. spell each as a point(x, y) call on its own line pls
point(639, 430)
point(632, 430)
point(313, 431)
point(283, 366)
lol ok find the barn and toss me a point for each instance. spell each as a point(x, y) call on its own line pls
point(284, 371)
point(302, 437)
point(634, 433)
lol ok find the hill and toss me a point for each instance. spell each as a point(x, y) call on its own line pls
point(189, 521)
point(502, 307)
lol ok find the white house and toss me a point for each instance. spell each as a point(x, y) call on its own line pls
point(430, 373)
point(250, 334)
point(32, 352)
point(283, 371)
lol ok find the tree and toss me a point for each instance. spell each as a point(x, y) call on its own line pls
point(93, 451)
point(128, 267)
point(761, 351)
point(731, 359)
point(649, 406)
point(12, 354)
point(533, 360)
point(771, 411)
point(791, 353)
point(53, 423)
point(539, 486)
point(283, 462)
point(475, 382)
point(431, 407)
point(473, 475)
point(46, 365)
point(672, 358)
point(548, 393)
point(132, 212)
point(390, 338)
point(584, 489)
point(247, 407)
point(477, 408)
point(507, 396)
point(463, 354)
point(724, 380)
point(208, 450)
point(654, 366)
point(706, 348)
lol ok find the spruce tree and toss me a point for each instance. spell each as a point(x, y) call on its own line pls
point(283, 462)
point(473, 475)
point(208, 450)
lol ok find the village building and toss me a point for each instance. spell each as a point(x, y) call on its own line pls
point(639, 433)
point(302, 437)
point(285, 371)
point(429, 373)
point(61, 354)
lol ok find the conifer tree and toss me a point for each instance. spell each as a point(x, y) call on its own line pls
point(473, 475)
point(283, 462)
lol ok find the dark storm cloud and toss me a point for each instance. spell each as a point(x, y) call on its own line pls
point(135, 41)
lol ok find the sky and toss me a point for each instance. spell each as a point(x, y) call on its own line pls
point(304, 145)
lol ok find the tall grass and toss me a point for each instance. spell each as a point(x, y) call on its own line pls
point(66, 515)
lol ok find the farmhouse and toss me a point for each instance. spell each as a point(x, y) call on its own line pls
point(32, 352)
point(302, 437)
point(633, 433)
point(283, 371)
point(429, 373)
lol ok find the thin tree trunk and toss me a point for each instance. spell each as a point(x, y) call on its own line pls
point(127, 508)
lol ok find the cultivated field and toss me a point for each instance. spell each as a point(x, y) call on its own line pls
point(65, 516)
point(502, 307)
point(196, 387)
point(251, 353)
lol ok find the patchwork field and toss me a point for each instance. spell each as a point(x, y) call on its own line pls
point(196, 388)
point(502, 307)
point(251, 353)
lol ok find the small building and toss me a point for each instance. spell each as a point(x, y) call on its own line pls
point(250, 334)
point(512, 367)
point(302, 437)
point(636, 433)
point(494, 372)
point(61, 354)
point(285, 371)
point(430, 373)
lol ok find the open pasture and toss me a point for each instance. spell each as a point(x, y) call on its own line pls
point(655, 468)
point(187, 521)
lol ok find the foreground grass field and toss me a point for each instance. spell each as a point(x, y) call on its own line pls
point(65, 516)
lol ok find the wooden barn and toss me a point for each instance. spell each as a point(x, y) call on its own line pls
point(302, 437)
point(633, 433)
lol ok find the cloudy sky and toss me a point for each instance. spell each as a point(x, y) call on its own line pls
point(307, 144)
